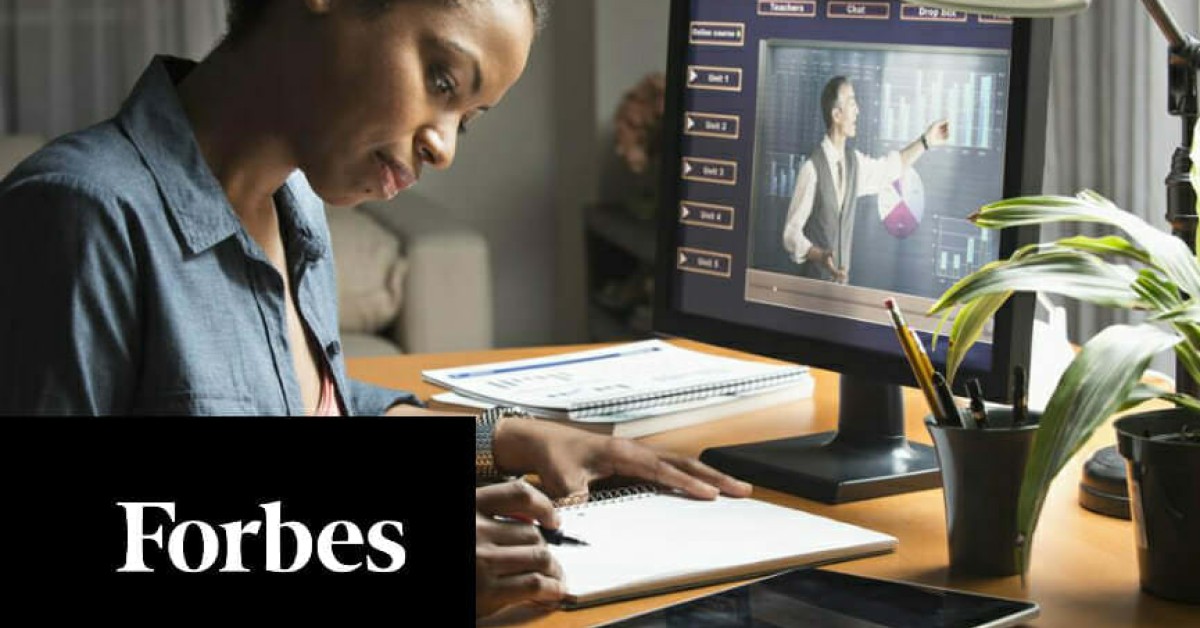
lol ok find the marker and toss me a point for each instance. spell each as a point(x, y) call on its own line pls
point(978, 410)
point(1020, 401)
point(954, 417)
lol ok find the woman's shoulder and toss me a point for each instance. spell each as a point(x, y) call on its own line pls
point(97, 163)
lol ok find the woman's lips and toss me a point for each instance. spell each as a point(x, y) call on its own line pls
point(395, 176)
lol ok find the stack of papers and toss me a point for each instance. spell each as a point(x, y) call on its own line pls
point(626, 384)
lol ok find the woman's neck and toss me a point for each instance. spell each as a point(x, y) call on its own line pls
point(239, 127)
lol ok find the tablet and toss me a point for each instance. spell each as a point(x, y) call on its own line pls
point(815, 597)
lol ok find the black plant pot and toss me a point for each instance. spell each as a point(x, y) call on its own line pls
point(1164, 491)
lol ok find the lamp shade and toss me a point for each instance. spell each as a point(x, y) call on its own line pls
point(1013, 8)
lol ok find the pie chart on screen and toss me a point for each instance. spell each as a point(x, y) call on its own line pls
point(902, 204)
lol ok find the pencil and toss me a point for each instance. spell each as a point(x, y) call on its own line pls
point(922, 368)
point(1020, 412)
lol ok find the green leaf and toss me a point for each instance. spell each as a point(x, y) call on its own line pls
point(1195, 174)
point(1077, 274)
point(1096, 384)
point(1188, 351)
point(1159, 293)
point(1188, 311)
point(969, 324)
point(1107, 245)
point(1166, 251)
point(1143, 392)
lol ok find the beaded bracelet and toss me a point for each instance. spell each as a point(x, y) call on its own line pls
point(485, 427)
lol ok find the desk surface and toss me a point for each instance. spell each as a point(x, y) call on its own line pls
point(1084, 570)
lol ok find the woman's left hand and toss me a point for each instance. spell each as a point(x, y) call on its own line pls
point(567, 460)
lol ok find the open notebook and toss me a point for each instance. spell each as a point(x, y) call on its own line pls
point(642, 541)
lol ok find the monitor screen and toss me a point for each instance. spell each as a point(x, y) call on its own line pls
point(823, 156)
point(828, 156)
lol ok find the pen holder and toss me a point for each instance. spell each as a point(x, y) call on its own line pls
point(982, 469)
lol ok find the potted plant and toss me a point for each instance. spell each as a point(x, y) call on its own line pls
point(1151, 271)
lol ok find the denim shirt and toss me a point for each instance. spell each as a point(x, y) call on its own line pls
point(128, 284)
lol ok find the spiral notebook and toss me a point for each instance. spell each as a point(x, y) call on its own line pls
point(622, 378)
point(642, 541)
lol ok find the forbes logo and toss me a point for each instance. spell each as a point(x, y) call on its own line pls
point(272, 527)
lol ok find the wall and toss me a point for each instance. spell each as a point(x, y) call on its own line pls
point(631, 42)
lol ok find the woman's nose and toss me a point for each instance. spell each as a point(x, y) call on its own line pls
point(437, 145)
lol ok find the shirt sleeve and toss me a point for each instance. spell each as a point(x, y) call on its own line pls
point(798, 212)
point(371, 400)
point(69, 327)
point(874, 174)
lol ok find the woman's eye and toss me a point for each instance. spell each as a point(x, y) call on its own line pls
point(443, 82)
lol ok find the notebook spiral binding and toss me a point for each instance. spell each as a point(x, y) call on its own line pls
point(681, 395)
point(622, 494)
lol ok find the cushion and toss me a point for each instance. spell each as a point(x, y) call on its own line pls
point(370, 270)
point(359, 345)
point(15, 148)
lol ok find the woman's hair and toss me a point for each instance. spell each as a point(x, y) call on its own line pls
point(244, 15)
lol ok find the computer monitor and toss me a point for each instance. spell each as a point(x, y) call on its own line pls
point(765, 244)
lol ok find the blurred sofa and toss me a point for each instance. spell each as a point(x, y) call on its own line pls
point(407, 280)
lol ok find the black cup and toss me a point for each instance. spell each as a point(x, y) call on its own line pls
point(1163, 472)
point(982, 469)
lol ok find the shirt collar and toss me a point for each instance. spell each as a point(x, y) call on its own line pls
point(831, 154)
point(154, 119)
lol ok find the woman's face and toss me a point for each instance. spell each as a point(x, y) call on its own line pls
point(380, 97)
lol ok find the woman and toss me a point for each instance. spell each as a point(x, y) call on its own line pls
point(175, 259)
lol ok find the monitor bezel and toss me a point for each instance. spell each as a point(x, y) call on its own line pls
point(1023, 166)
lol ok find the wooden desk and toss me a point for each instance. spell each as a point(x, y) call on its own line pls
point(1084, 570)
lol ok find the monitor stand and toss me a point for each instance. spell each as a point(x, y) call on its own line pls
point(868, 456)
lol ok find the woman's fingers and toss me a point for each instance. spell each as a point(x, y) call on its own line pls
point(679, 472)
point(489, 530)
point(500, 560)
point(506, 575)
point(526, 587)
point(516, 499)
point(727, 484)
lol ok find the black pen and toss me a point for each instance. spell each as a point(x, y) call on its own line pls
point(954, 417)
point(1020, 410)
point(553, 537)
point(978, 409)
point(556, 537)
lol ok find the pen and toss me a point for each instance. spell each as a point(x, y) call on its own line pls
point(1020, 410)
point(954, 417)
point(922, 368)
point(978, 410)
point(553, 537)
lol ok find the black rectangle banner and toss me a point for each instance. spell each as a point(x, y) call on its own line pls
point(224, 517)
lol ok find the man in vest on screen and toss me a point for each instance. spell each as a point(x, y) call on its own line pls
point(820, 220)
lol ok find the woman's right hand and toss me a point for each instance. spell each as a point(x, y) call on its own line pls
point(512, 562)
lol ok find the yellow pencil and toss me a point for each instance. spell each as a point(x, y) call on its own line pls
point(918, 359)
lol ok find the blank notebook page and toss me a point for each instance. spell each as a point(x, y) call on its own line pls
point(652, 542)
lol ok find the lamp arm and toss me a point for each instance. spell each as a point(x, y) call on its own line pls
point(1166, 22)
point(1183, 63)
point(1182, 44)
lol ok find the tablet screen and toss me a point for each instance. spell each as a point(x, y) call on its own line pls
point(814, 597)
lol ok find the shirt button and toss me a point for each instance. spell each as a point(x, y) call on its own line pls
point(333, 348)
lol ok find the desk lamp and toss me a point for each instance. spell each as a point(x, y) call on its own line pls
point(1104, 473)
